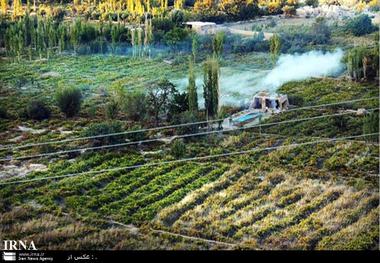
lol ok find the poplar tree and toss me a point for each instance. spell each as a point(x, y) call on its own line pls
point(194, 47)
point(211, 87)
point(217, 44)
point(275, 47)
point(192, 88)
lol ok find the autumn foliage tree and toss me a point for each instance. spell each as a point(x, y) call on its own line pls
point(4, 7)
point(239, 9)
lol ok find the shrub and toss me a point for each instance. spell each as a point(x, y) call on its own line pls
point(112, 109)
point(135, 106)
point(175, 36)
point(340, 122)
point(69, 101)
point(360, 25)
point(37, 110)
point(186, 117)
point(178, 149)
point(104, 128)
point(164, 24)
point(296, 100)
point(321, 31)
point(180, 103)
point(177, 17)
point(136, 136)
point(371, 125)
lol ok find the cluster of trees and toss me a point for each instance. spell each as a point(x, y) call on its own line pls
point(135, 10)
point(363, 63)
point(42, 36)
point(68, 100)
point(243, 9)
point(161, 101)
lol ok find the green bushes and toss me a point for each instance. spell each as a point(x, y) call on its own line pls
point(69, 101)
point(360, 25)
point(321, 31)
point(104, 128)
point(37, 110)
point(135, 106)
point(112, 109)
point(186, 117)
point(178, 149)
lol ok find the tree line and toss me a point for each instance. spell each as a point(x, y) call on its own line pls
point(32, 36)
point(134, 10)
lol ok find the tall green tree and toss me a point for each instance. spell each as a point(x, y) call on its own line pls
point(217, 44)
point(275, 47)
point(211, 87)
point(194, 47)
point(192, 89)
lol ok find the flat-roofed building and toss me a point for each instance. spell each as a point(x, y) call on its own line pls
point(269, 102)
point(202, 28)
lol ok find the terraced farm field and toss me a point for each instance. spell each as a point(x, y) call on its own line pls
point(258, 201)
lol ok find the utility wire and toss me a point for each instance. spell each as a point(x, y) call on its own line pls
point(13, 147)
point(107, 135)
point(170, 138)
point(189, 159)
point(331, 104)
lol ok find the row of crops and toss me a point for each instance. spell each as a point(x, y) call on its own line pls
point(54, 231)
point(278, 211)
point(258, 201)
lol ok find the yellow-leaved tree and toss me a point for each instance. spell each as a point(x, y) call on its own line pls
point(17, 8)
point(4, 6)
point(178, 4)
point(202, 5)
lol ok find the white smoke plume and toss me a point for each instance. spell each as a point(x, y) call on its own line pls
point(303, 66)
point(239, 85)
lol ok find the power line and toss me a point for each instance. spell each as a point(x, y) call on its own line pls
point(107, 135)
point(189, 159)
point(12, 147)
point(332, 104)
point(168, 138)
